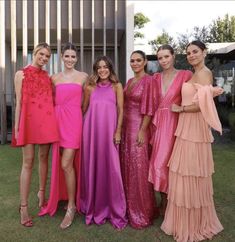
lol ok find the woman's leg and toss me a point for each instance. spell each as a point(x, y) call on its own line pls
point(163, 203)
point(43, 154)
point(69, 172)
point(25, 179)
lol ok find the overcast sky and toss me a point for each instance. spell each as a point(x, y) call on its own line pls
point(180, 16)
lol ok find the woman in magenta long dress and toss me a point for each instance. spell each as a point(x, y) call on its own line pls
point(34, 124)
point(190, 214)
point(134, 152)
point(65, 176)
point(167, 89)
point(102, 193)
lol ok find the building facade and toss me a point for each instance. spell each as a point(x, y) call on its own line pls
point(96, 27)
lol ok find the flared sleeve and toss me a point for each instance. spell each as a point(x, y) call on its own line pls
point(149, 99)
point(204, 98)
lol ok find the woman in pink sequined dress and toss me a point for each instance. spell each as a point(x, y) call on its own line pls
point(35, 123)
point(166, 88)
point(134, 147)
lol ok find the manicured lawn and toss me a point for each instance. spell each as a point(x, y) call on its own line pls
point(47, 228)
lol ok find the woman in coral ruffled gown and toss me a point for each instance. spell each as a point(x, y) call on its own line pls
point(166, 88)
point(102, 193)
point(190, 214)
point(65, 176)
point(35, 123)
point(134, 151)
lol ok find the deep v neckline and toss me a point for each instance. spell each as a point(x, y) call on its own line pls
point(170, 85)
point(130, 88)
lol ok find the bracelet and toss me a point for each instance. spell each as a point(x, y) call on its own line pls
point(183, 108)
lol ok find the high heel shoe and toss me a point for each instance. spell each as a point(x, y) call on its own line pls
point(41, 198)
point(68, 218)
point(28, 222)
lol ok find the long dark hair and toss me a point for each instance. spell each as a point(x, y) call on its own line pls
point(69, 46)
point(94, 78)
point(198, 43)
point(143, 55)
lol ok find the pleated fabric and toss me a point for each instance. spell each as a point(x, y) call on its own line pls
point(190, 214)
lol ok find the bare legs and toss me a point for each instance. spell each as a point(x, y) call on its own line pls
point(69, 172)
point(25, 178)
point(26, 174)
point(163, 203)
point(43, 154)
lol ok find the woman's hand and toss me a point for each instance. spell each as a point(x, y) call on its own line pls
point(140, 137)
point(176, 108)
point(117, 138)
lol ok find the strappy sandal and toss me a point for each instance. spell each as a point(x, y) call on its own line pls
point(68, 218)
point(28, 222)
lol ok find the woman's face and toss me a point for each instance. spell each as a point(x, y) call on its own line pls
point(195, 55)
point(137, 63)
point(69, 58)
point(103, 71)
point(166, 59)
point(42, 57)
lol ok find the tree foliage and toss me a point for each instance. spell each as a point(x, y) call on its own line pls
point(162, 39)
point(139, 22)
point(220, 30)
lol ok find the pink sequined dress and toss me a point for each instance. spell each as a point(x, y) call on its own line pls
point(37, 124)
point(69, 119)
point(190, 213)
point(164, 124)
point(135, 159)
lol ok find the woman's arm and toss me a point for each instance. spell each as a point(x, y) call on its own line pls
point(203, 78)
point(120, 101)
point(18, 86)
point(86, 98)
point(141, 133)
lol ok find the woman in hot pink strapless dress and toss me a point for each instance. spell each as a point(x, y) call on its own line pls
point(35, 123)
point(65, 177)
point(166, 88)
point(190, 213)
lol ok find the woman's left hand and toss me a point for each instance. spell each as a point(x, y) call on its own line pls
point(176, 108)
point(140, 138)
point(117, 138)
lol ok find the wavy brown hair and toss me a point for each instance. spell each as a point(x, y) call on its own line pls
point(94, 78)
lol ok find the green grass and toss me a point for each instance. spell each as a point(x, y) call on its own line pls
point(47, 228)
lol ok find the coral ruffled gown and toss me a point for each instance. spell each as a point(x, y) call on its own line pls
point(190, 214)
point(135, 159)
point(102, 192)
point(69, 119)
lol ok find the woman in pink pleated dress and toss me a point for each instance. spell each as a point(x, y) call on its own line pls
point(134, 152)
point(34, 124)
point(166, 88)
point(65, 176)
point(190, 213)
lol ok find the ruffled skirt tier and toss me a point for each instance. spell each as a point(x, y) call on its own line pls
point(190, 214)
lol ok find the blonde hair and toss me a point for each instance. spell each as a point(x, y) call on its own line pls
point(41, 46)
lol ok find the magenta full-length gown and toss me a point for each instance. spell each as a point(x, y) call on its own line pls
point(164, 125)
point(69, 119)
point(102, 192)
point(135, 159)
